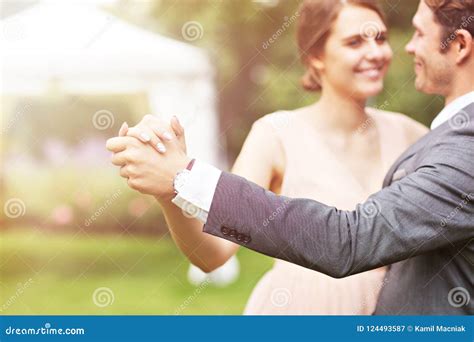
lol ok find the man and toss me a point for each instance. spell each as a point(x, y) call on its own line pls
point(421, 223)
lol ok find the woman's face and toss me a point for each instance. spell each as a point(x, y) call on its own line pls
point(356, 54)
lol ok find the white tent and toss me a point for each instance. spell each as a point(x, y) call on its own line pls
point(85, 50)
point(88, 51)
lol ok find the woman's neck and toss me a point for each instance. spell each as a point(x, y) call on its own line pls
point(337, 112)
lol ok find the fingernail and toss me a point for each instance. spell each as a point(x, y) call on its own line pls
point(167, 136)
point(145, 137)
point(123, 129)
point(161, 147)
point(177, 119)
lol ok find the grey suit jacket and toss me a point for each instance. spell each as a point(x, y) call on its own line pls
point(421, 224)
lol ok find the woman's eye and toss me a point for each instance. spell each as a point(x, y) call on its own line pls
point(381, 39)
point(354, 42)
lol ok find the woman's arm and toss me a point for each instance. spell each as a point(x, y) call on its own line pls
point(205, 251)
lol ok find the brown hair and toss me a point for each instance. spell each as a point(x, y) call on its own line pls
point(452, 15)
point(314, 26)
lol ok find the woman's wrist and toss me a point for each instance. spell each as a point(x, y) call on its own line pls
point(165, 201)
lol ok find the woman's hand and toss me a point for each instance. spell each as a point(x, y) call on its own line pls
point(150, 131)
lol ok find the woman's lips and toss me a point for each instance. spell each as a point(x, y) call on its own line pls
point(373, 73)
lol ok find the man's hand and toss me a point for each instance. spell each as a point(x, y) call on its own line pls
point(146, 170)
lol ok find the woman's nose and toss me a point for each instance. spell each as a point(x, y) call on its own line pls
point(375, 51)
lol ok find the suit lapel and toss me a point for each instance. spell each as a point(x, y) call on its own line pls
point(395, 172)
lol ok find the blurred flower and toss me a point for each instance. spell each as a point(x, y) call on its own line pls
point(62, 214)
point(90, 152)
point(138, 207)
point(83, 199)
point(55, 151)
point(259, 74)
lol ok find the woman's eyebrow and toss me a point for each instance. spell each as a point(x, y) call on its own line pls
point(359, 35)
point(416, 26)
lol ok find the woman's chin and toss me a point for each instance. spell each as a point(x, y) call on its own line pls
point(371, 89)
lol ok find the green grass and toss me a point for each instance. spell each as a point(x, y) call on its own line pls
point(146, 276)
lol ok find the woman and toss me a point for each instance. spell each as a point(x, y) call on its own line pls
point(315, 152)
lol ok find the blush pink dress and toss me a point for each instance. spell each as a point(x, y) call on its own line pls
point(313, 171)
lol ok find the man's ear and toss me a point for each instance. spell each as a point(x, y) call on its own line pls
point(463, 45)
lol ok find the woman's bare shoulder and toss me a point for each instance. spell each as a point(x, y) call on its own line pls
point(278, 119)
point(275, 128)
point(413, 129)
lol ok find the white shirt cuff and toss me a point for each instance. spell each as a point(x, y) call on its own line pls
point(195, 196)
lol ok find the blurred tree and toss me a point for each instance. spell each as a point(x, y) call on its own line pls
point(254, 48)
point(70, 119)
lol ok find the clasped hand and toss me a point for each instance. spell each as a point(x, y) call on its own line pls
point(150, 154)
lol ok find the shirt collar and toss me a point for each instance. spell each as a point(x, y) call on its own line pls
point(452, 109)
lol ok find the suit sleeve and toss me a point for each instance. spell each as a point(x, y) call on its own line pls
point(431, 208)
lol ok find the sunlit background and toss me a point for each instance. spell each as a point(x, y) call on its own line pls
point(74, 238)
